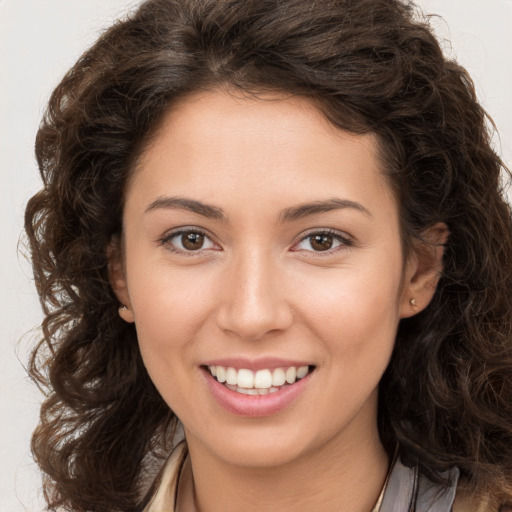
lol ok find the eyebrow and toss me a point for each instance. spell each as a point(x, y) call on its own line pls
point(181, 203)
point(303, 210)
point(288, 215)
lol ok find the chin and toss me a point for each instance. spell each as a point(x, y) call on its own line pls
point(258, 454)
point(264, 446)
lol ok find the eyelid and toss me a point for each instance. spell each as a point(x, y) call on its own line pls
point(165, 239)
point(347, 241)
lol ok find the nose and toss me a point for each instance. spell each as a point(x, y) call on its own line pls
point(253, 301)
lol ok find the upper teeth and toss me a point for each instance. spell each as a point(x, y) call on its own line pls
point(262, 379)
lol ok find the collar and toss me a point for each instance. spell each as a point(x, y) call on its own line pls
point(404, 491)
point(408, 491)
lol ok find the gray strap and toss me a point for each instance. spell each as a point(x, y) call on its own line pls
point(406, 491)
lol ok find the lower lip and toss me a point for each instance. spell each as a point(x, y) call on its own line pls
point(255, 406)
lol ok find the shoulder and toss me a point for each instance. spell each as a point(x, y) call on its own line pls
point(407, 489)
point(162, 494)
point(466, 502)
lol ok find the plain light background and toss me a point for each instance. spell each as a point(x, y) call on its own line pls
point(39, 41)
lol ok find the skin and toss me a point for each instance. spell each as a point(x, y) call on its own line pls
point(258, 288)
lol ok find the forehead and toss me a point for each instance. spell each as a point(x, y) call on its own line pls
point(222, 141)
point(274, 117)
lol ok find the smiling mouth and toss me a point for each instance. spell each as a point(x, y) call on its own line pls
point(261, 382)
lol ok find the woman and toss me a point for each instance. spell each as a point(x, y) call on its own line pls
point(279, 227)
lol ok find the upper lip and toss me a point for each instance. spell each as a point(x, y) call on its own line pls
point(256, 364)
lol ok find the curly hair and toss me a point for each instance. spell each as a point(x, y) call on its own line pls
point(371, 66)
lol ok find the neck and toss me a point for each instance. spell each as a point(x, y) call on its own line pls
point(335, 476)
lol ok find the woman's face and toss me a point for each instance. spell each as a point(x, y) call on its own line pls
point(261, 242)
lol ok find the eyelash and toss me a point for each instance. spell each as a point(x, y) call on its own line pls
point(345, 241)
point(166, 240)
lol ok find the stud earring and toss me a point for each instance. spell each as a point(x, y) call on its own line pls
point(126, 314)
point(412, 301)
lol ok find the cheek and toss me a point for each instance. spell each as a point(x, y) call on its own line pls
point(169, 307)
point(351, 292)
point(355, 312)
point(169, 310)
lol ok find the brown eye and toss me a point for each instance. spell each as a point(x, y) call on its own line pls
point(189, 241)
point(321, 242)
point(192, 241)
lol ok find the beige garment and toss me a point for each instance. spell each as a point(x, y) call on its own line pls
point(164, 499)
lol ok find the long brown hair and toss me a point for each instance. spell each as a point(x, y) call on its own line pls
point(369, 66)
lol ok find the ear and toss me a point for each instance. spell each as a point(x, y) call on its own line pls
point(117, 277)
point(423, 270)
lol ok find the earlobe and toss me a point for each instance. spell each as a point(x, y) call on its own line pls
point(126, 314)
point(423, 270)
point(117, 279)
